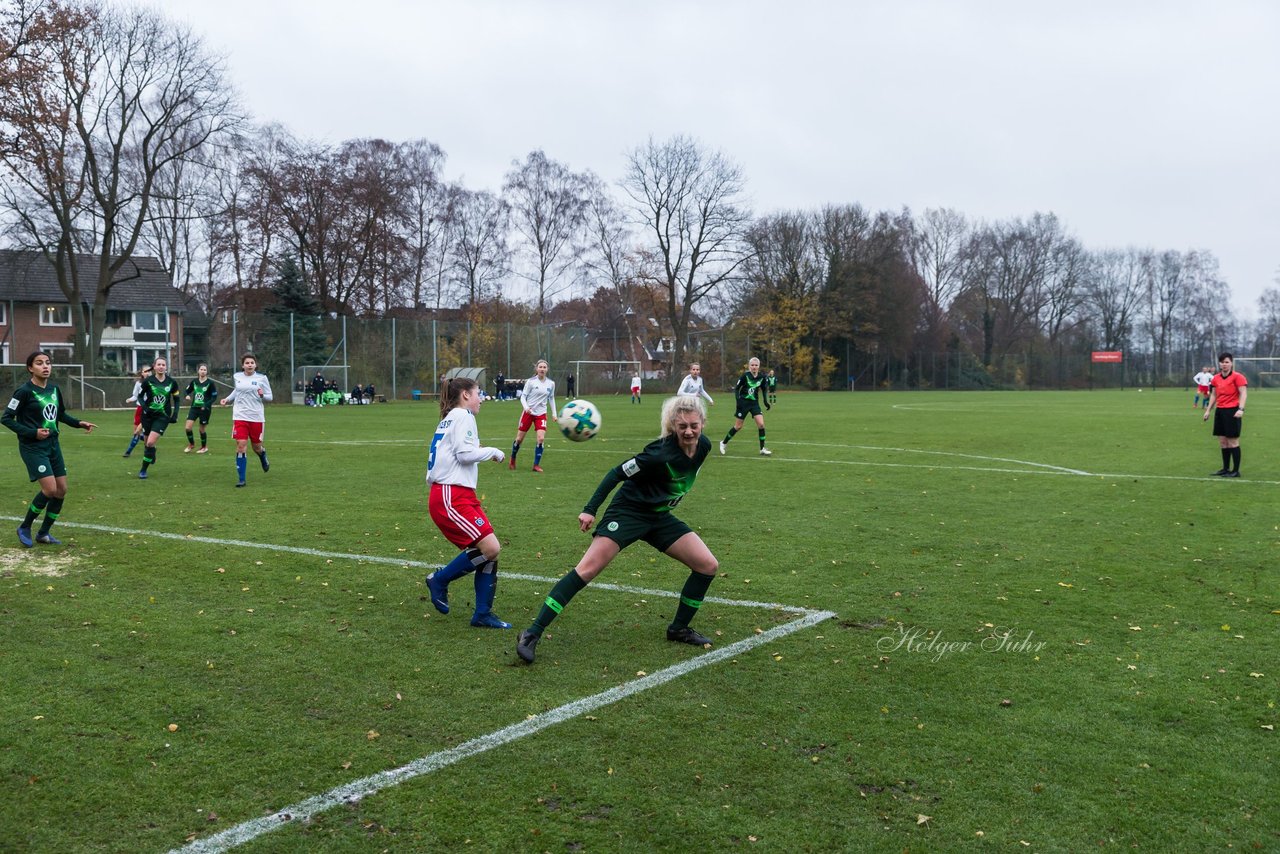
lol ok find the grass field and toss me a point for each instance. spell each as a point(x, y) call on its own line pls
point(1049, 630)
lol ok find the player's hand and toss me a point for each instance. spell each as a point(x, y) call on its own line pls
point(42, 433)
point(1206, 416)
point(585, 520)
point(500, 456)
point(87, 426)
point(173, 420)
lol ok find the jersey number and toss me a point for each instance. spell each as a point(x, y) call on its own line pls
point(431, 459)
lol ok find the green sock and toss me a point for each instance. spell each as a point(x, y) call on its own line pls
point(729, 435)
point(695, 590)
point(51, 514)
point(35, 509)
point(762, 437)
point(566, 588)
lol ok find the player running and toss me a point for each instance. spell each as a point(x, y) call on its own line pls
point(251, 390)
point(143, 373)
point(747, 395)
point(692, 384)
point(159, 401)
point(653, 484)
point(202, 393)
point(33, 413)
point(538, 398)
point(456, 453)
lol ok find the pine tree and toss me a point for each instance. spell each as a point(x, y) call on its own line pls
point(310, 345)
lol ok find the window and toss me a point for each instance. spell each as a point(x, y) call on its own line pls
point(55, 315)
point(116, 317)
point(151, 321)
point(4, 315)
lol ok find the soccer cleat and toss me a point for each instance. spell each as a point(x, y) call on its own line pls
point(1221, 473)
point(512, 465)
point(538, 469)
point(126, 454)
point(266, 466)
point(240, 484)
point(142, 475)
point(188, 449)
point(722, 449)
point(203, 451)
point(684, 634)
point(489, 620)
point(765, 452)
point(48, 539)
point(439, 593)
point(526, 645)
point(1232, 474)
point(24, 537)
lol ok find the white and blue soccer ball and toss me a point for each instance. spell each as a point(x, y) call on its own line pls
point(579, 420)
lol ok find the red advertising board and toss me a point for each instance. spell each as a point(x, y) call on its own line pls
point(1108, 355)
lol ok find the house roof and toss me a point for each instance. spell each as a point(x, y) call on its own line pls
point(142, 284)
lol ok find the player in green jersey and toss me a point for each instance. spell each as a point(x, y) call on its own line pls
point(33, 413)
point(653, 484)
point(202, 394)
point(159, 400)
point(771, 386)
point(747, 395)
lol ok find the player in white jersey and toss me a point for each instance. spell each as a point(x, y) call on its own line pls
point(538, 397)
point(692, 384)
point(251, 391)
point(456, 453)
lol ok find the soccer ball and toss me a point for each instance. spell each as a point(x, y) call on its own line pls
point(579, 420)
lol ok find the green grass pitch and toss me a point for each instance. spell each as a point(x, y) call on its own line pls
point(1050, 630)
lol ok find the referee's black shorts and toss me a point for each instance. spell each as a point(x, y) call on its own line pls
point(1225, 423)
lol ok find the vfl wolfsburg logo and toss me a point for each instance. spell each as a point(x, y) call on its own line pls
point(42, 468)
point(613, 526)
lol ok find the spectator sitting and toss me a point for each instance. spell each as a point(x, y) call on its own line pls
point(357, 394)
point(369, 392)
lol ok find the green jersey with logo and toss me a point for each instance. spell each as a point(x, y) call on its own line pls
point(33, 407)
point(748, 387)
point(203, 394)
point(159, 397)
point(656, 479)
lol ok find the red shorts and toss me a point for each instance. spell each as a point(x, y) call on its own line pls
point(247, 430)
point(635, 389)
point(137, 417)
point(537, 422)
point(1203, 389)
point(458, 514)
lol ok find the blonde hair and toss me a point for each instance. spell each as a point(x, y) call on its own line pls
point(674, 407)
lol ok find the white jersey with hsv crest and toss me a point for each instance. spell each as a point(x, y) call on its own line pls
point(247, 403)
point(456, 450)
point(538, 394)
point(693, 386)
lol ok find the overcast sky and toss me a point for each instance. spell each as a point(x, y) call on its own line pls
point(1148, 124)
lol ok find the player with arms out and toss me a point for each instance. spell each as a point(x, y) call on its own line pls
point(248, 418)
point(538, 397)
point(452, 472)
point(1227, 393)
point(159, 401)
point(747, 395)
point(202, 393)
point(34, 412)
point(653, 483)
point(692, 384)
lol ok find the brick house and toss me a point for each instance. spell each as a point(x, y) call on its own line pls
point(146, 316)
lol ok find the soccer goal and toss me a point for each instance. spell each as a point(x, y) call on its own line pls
point(1262, 371)
point(599, 378)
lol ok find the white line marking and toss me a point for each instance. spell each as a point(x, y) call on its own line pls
point(366, 786)
point(405, 562)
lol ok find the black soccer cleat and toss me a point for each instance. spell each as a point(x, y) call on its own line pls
point(526, 644)
point(684, 634)
point(1221, 473)
point(1232, 474)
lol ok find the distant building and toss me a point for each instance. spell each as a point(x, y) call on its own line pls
point(146, 316)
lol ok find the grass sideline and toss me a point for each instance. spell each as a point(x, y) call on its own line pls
point(1052, 629)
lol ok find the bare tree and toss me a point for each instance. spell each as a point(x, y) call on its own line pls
point(428, 211)
point(133, 95)
point(1114, 291)
point(480, 250)
point(691, 203)
point(548, 209)
point(939, 253)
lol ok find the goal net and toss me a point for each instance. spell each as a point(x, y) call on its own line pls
point(1261, 371)
point(601, 378)
point(76, 393)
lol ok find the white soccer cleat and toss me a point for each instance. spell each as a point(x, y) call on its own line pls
point(722, 449)
point(765, 452)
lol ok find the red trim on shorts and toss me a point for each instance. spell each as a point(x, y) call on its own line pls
point(458, 514)
point(529, 420)
point(247, 431)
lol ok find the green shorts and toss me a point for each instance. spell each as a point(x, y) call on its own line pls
point(746, 408)
point(624, 525)
point(43, 459)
